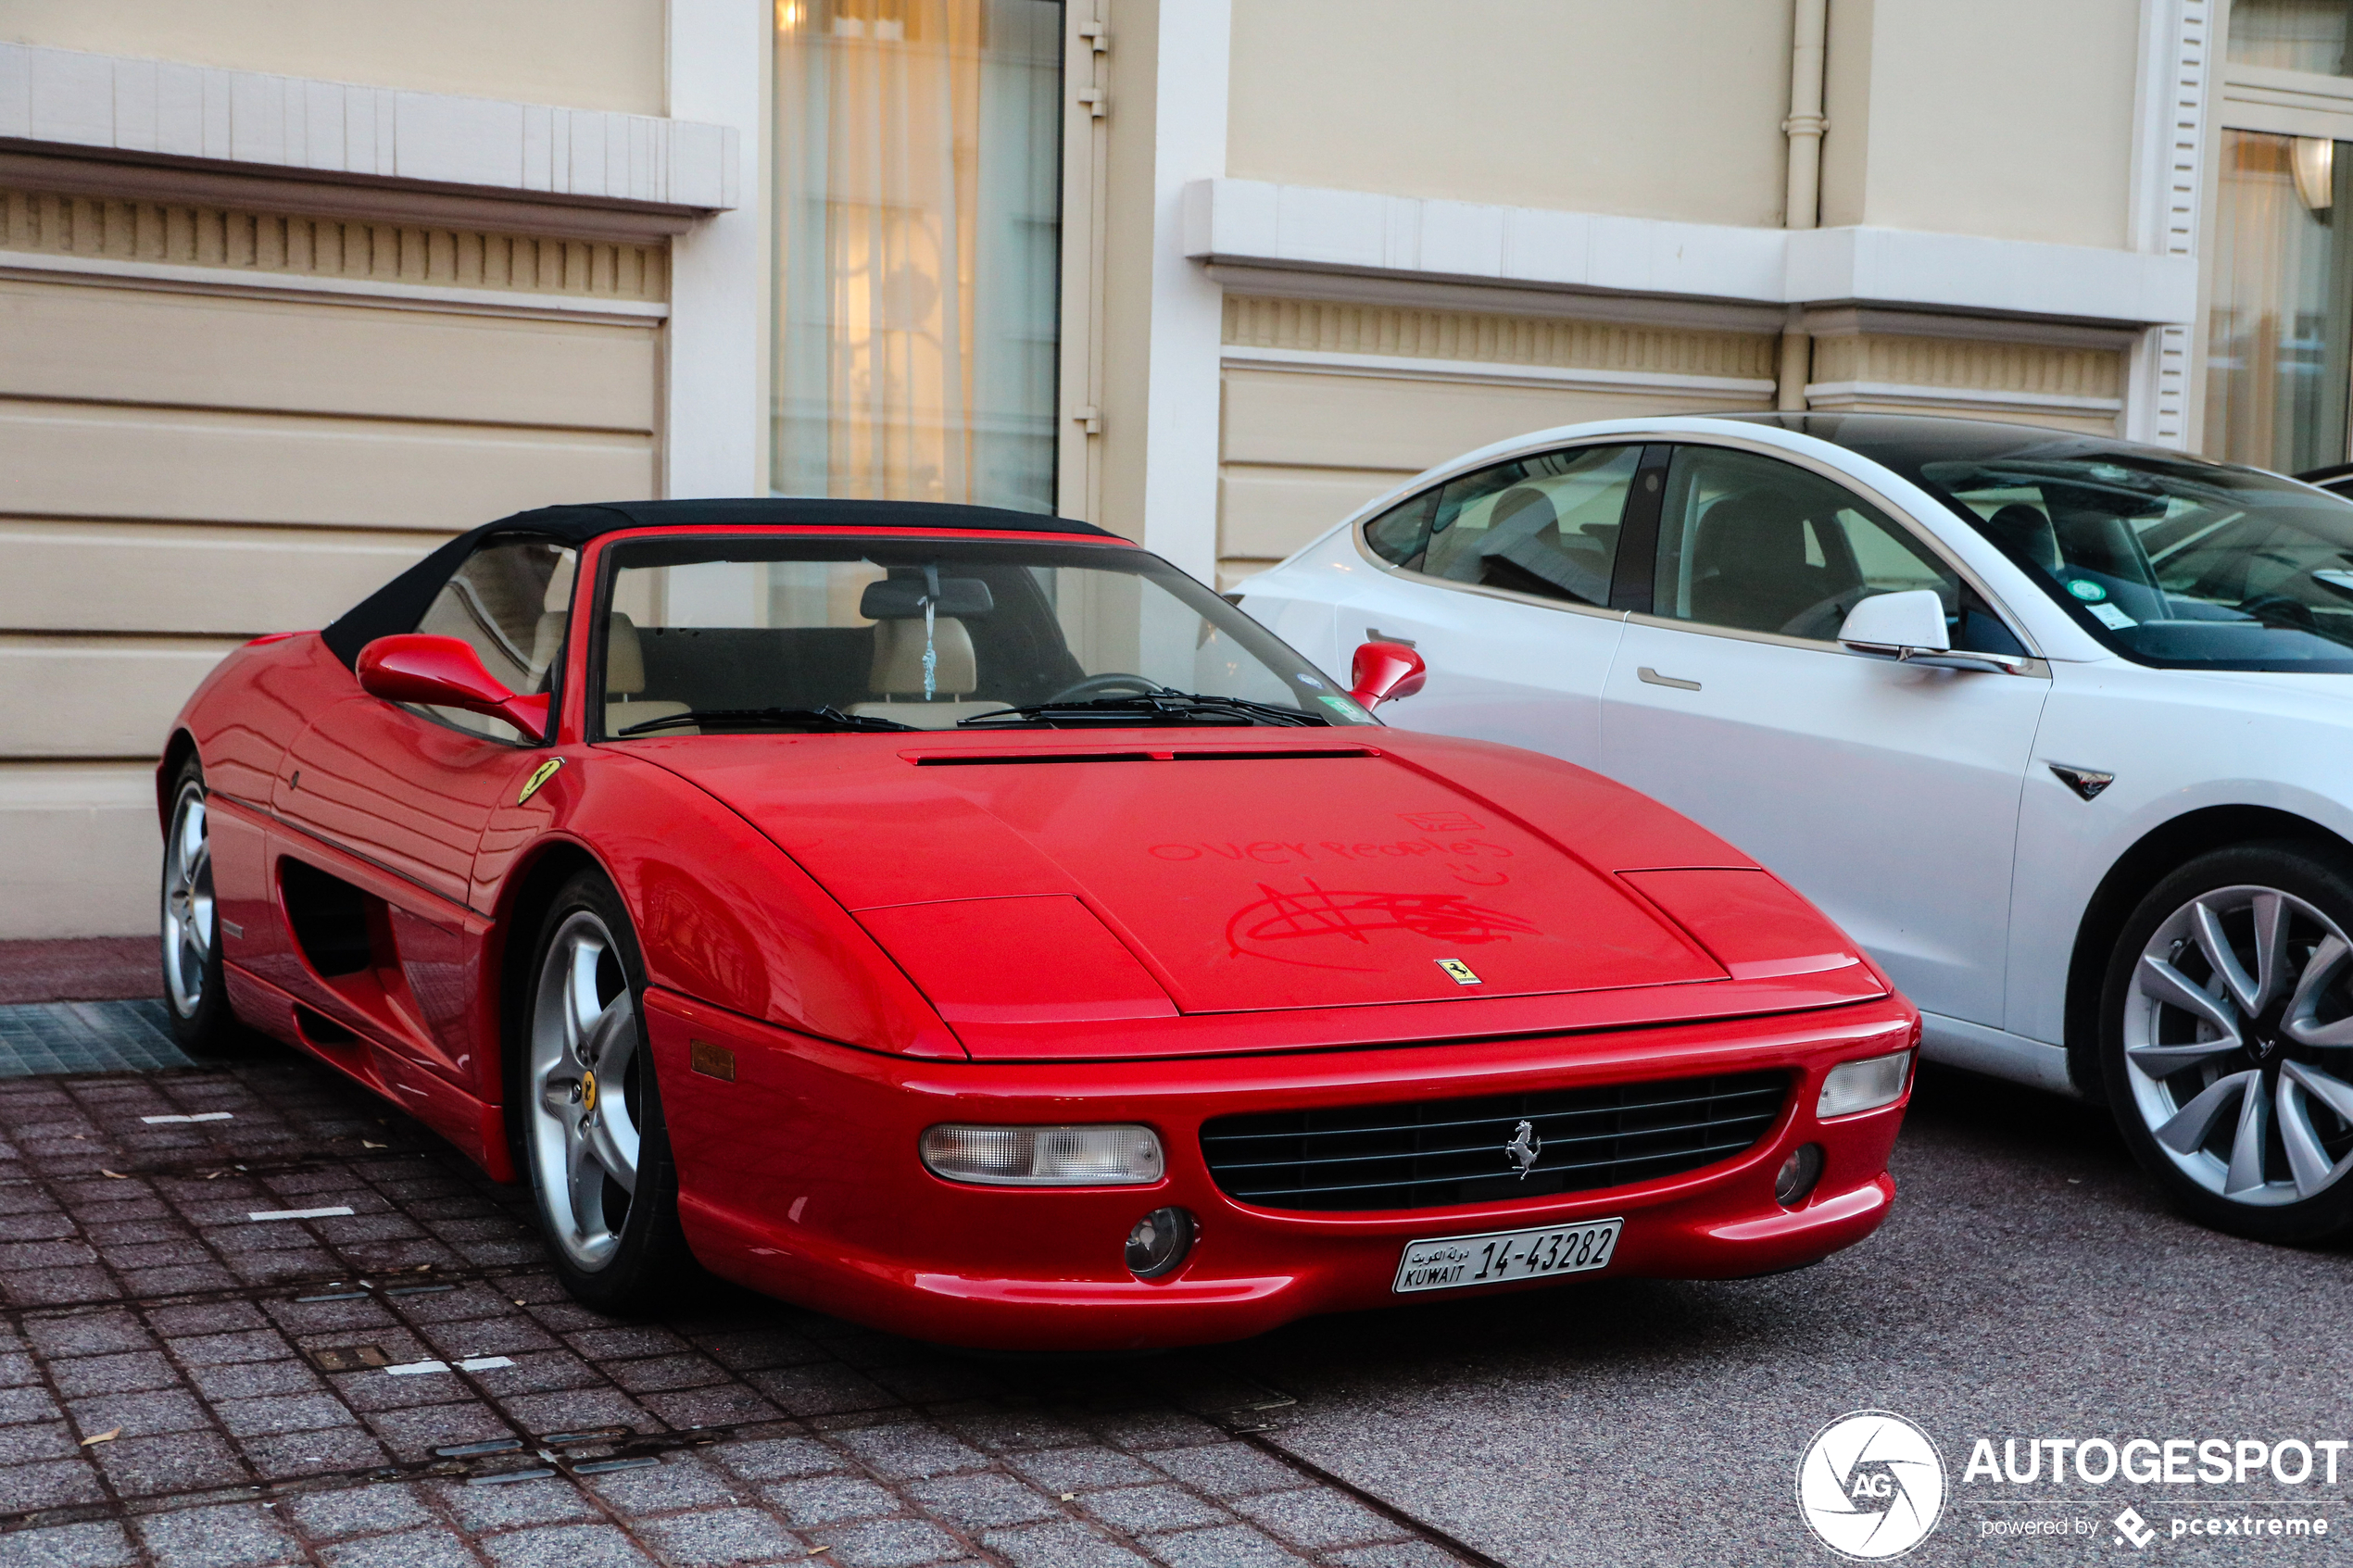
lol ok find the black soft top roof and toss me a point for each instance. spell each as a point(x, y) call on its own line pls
point(401, 603)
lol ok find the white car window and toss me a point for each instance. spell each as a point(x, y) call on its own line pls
point(1755, 545)
point(1545, 525)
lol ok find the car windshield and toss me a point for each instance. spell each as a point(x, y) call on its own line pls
point(2170, 560)
point(751, 632)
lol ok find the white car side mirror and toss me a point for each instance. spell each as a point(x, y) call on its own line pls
point(1898, 625)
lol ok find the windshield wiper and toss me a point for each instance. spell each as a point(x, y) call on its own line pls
point(764, 719)
point(1158, 707)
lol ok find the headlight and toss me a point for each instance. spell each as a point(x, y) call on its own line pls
point(1085, 1157)
point(1863, 1086)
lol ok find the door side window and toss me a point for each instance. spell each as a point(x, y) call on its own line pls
point(1545, 525)
point(508, 603)
point(1755, 544)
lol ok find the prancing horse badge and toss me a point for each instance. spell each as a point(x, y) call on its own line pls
point(1457, 971)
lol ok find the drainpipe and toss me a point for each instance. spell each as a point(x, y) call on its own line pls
point(1802, 199)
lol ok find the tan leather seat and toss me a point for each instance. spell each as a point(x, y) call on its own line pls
point(897, 673)
point(625, 673)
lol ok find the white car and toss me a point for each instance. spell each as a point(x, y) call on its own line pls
point(2060, 727)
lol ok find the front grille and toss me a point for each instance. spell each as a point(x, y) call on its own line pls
point(1432, 1153)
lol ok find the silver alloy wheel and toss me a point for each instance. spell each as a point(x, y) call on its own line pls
point(584, 1128)
point(187, 901)
point(2238, 1045)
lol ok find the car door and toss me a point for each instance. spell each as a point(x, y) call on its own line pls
point(409, 790)
point(1503, 582)
point(1887, 793)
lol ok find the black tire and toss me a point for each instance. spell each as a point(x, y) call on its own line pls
point(2181, 1073)
point(647, 1262)
point(196, 997)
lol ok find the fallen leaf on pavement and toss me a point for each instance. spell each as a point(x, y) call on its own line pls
point(106, 1436)
point(365, 1144)
point(115, 1175)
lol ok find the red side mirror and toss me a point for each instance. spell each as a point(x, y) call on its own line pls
point(445, 673)
point(1385, 671)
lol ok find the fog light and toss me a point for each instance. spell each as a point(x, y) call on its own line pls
point(1863, 1086)
point(1798, 1174)
point(1113, 1156)
point(1159, 1242)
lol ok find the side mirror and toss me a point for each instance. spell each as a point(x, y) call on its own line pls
point(1901, 625)
point(445, 673)
point(1385, 671)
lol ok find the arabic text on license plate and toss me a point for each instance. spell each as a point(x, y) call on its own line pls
point(1455, 1261)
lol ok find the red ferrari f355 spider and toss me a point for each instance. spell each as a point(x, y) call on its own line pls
point(964, 922)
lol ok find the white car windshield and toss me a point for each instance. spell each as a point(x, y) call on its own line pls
point(2174, 561)
point(743, 632)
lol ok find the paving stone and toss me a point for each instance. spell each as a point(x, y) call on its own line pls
point(572, 1546)
point(1143, 1510)
point(217, 1349)
point(1076, 1469)
point(819, 1390)
point(412, 1434)
point(728, 1404)
point(139, 1415)
point(582, 1409)
point(37, 1440)
point(633, 1340)
point(682, 1482)
point(1226, 1470)
point(284, 1455)
point(1236, 1545)
point(722, 1538)
point(179, 1461)
point(411, 1548)
point(51, 1484)
point(1143, 1431)
point(774, 1459)
point(17, 1369)
point(125, 1373)
point(831, 1500)
point(522, 1502)
point(250, 1380)
point(1060, 1546)
point(235, 1536)
point(26, 1404)
point(1316, 1517)
point(358, 1510)
point(1013, 1432)
point(101, 1544)
point(908, 1451)
point(207, 1317)
point(892, 1543)
point(1396, 1554)
point(985, 1499)
point(281, 1412)
point(87, 1334)
point(655, 1374)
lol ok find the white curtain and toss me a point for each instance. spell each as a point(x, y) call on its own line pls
point(2282, 321)
point(918, 196)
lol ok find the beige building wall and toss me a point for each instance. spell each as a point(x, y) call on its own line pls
point(1328, 404)
point(192, 462)
point(1590, 105)
point(2009, 118)
point(582, 54)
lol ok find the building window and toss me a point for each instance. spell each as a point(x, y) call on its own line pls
point(919, 212)
point(2307, 35)
point(2282, 317)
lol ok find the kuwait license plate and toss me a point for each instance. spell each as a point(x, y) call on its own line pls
point(1456, 1260)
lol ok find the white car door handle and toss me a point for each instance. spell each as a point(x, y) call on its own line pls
point(1651, 677)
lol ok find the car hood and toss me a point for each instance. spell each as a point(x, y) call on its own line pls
point(1060, 879)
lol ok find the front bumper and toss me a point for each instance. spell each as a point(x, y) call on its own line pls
point(799, 1177)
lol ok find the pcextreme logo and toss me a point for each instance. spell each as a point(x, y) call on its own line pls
point(1871, 1486)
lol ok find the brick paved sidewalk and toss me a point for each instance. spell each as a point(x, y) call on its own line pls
point(186, 1385)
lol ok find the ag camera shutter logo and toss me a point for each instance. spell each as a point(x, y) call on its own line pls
point(1871, 1486)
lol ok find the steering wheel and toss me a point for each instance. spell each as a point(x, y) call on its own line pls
point(1830, 613)
point(1108, 685)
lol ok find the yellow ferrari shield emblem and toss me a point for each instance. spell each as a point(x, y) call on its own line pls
point(539, 775)
point(1458, 972)
point(588, 1091)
